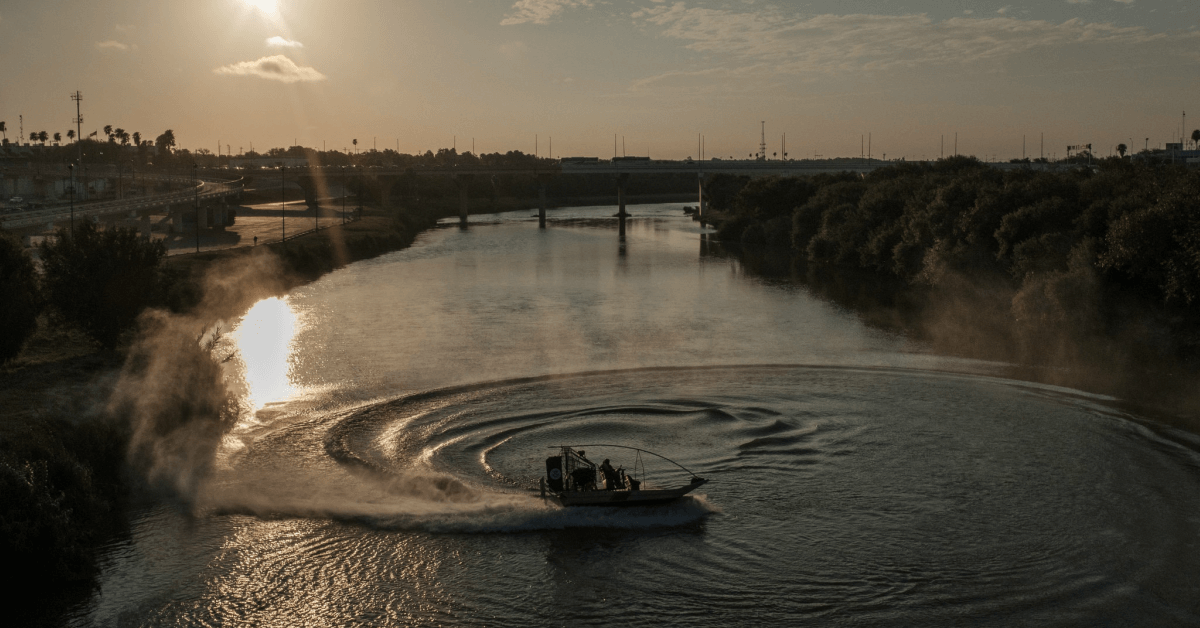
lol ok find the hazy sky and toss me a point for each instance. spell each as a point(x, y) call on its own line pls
point(657, 72)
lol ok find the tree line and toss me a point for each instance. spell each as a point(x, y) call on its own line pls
point(1072, 250)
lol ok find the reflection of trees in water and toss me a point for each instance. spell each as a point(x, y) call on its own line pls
point(880, 301)
point(1126, 352)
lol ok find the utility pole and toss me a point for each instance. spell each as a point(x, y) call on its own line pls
point(78, 98)
point(943, 146)
point(1022, 147)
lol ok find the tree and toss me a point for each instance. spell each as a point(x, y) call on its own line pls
point(101, 280)
point(137, 138)
point(33, 135)
point(18, 284)
point(165, 142)
point(355, 147)
point(1196, 137)
point(57, 138)
point(108, 130)
point(70, 134)
point(1121, 148)
point(4, 130)
point(43, 137)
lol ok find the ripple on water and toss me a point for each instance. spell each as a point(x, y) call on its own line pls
point(845, 496)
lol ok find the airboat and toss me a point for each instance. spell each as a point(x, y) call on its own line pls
point(573, 480)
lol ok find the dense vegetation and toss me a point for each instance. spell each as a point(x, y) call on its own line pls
point(101, 280)
point(61, 488)
point(1079, 253)
point(18, 284)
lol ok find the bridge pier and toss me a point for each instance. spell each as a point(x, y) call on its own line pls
point(622, 179)
point(541, 204)
point(462, 180)
point(700, 198)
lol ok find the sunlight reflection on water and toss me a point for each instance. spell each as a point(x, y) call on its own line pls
point(265, 341)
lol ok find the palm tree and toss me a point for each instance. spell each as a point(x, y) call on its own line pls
point(4, 130)
point(57, 138)
point(108, 130)
point(1195, 137)
point(137, 138)
point(70, 134)
point(355, 147)
point(1121, 148)
point(43, 137)
point(33, 135)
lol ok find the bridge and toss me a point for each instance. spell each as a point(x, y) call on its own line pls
point(213, 191)
point(315, 181)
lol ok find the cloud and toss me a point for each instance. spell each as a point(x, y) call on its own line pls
point(280, 42)
point(830, 43)
point(539, 11)
point(113, 45)
point(275, 68)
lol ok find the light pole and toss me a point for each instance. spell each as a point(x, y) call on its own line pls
point(343, 195)
point(71, 189)
point(195, 171)
point(282, 204)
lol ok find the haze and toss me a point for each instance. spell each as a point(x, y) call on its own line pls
point(508, 76)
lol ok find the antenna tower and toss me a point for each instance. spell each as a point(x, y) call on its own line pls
point(762, 144)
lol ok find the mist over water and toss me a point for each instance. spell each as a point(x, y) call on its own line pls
point(394, 417)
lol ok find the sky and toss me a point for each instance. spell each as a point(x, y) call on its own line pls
point(656, 74)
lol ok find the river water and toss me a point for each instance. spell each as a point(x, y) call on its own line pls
point(399, 411)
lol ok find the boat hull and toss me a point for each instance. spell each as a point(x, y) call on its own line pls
point(648, 497)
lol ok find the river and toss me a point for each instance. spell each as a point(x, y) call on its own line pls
point(398, 413)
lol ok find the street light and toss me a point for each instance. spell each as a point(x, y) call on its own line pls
point(195, 172)
point(343, 195)
point(282, 203)
point(71, 189)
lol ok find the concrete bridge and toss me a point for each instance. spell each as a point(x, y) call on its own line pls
point(315, 182)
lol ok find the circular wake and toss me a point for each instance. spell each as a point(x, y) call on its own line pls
point(907, 495)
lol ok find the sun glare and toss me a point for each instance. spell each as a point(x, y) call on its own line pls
point(267, 7)
point(264, 340)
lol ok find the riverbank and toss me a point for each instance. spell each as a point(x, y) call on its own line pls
point(1082, 278)
point(64, 471)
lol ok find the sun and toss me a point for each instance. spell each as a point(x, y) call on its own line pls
point(267, 7)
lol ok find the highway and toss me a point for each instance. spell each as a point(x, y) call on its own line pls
point(205, 190)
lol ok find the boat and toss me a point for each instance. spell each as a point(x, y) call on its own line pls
point(573, 480)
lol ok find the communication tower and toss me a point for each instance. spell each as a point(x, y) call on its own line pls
point(762, 144)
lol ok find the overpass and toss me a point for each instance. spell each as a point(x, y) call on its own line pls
point(202, 191)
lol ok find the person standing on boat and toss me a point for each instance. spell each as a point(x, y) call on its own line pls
point(611, 479)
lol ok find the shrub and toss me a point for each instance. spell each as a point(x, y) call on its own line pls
point(101, 280)
point(18, 285)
